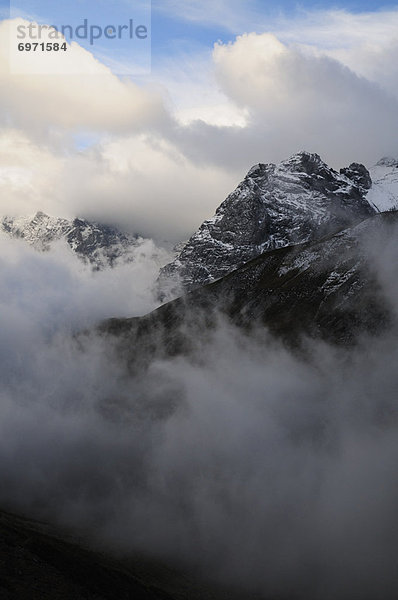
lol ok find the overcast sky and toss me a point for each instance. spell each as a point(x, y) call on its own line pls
point(231, 84)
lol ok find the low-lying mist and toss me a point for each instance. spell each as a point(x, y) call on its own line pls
point(261, 469)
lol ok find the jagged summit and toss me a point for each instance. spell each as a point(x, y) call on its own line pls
point(39, 230)
point(94, 243)
point(298, 200)
point(301, 162)
point(310, 162)
point(359, 174)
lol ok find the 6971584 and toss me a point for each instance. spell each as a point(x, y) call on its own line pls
point(42, 47)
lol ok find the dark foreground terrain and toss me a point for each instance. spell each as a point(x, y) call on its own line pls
point(39, 563)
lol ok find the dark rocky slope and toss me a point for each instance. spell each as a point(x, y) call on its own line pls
point(37, 562)
point(329, 289)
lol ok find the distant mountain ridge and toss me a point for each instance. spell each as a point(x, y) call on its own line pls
point(300, 200)
point(99, 245)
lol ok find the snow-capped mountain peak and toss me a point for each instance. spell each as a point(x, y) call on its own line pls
point(39, 230)
point(298, 200)
point(94, 243)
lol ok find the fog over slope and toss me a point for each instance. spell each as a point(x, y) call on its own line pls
point(260, 468)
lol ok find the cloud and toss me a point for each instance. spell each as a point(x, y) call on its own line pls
point(199, 98)
point(133, 175)
point(143, 184)
point(155, 188)
point(57, 290)
point(28, 173)
point(266, 471)
point(70, 90)
point(310, 77)
point(365, 42)
point(296, 100)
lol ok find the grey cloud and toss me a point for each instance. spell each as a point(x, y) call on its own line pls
point(259, 468)
point(295, 100)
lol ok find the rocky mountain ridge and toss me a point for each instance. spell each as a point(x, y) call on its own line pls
point(299, 200)
point(99, 245)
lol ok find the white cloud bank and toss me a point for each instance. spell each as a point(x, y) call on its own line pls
point(142, 183)
point(297, 99)
point(84, 94)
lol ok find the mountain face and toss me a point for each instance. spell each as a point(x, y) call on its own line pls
point(384, 191)
point(98, 245)
point(300, 199)
point(330, 289)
